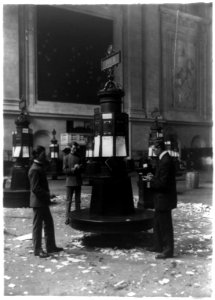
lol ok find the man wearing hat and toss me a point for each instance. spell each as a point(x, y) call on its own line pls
point(163, 185)
point(72, 168)
point(40, 201)
point(66, 150)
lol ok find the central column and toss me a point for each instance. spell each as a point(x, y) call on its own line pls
point(111, 185)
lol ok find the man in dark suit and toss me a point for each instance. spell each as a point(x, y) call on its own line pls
point(40, 201)
point(72, 167)
point(163, 185)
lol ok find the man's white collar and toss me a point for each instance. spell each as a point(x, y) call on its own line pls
point(37, 162)
point(162, 154)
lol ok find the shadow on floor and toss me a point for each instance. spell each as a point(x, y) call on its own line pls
point(121, 241)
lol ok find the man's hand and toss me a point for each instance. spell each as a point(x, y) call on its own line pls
point(148, 177)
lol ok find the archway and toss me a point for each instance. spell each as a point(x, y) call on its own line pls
point(201, 155)
point(43, 138)
point(171, 135)
point(198, 142)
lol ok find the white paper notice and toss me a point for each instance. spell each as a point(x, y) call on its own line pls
point(90, 153)
point(54, 155)
point(25, 151)
point(107, 116)
point(96, 145)
point(17, 151)
point(107, 146)
point(120, 146)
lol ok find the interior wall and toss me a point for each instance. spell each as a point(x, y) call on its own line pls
point(11, 70)
point(137, 33)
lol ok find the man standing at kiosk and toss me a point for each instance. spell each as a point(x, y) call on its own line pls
point(163, 185)
point(72, 168)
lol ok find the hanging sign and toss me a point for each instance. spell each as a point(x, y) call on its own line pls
point(110, 61)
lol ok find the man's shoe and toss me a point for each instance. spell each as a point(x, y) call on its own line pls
point(77, 207)
point(41, 254)
point(67, 222)
point(163, 256)
point(55, 250)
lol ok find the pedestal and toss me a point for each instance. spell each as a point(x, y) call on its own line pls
point(139, 220)
point(54, 168)
point(112, 209)
point(16, 198)
point(111, 196)
point(18, 194)
point(19, 178)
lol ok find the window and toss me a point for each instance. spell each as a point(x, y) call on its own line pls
point(70, 46)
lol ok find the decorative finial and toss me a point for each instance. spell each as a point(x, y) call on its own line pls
point(54, 141)
point(54, 132)
point(110, 50)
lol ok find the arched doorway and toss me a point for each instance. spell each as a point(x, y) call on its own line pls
point(43, 138)
point(198, 142)
point(171, 135)
point(202, 155)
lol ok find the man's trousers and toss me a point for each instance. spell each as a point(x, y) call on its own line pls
point(42, 217)
point(70, 190)
point(163, 232)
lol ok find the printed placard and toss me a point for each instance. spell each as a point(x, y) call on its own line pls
point(107, 146)
point(96, 145)
point(120, 146)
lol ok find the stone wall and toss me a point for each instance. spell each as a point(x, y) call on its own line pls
point(144, 73)
point(11, 56)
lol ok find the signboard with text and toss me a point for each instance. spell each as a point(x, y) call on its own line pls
point(110, 61)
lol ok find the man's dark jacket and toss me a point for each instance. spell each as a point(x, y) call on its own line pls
point(163, 184)
point(73, 177)
point(40, 194)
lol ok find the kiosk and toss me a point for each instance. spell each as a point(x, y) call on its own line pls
point(17, 193)
point(54, 156)
point(112, 207)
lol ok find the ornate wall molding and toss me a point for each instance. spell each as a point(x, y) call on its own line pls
point(184, 62)
point(11, 104)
